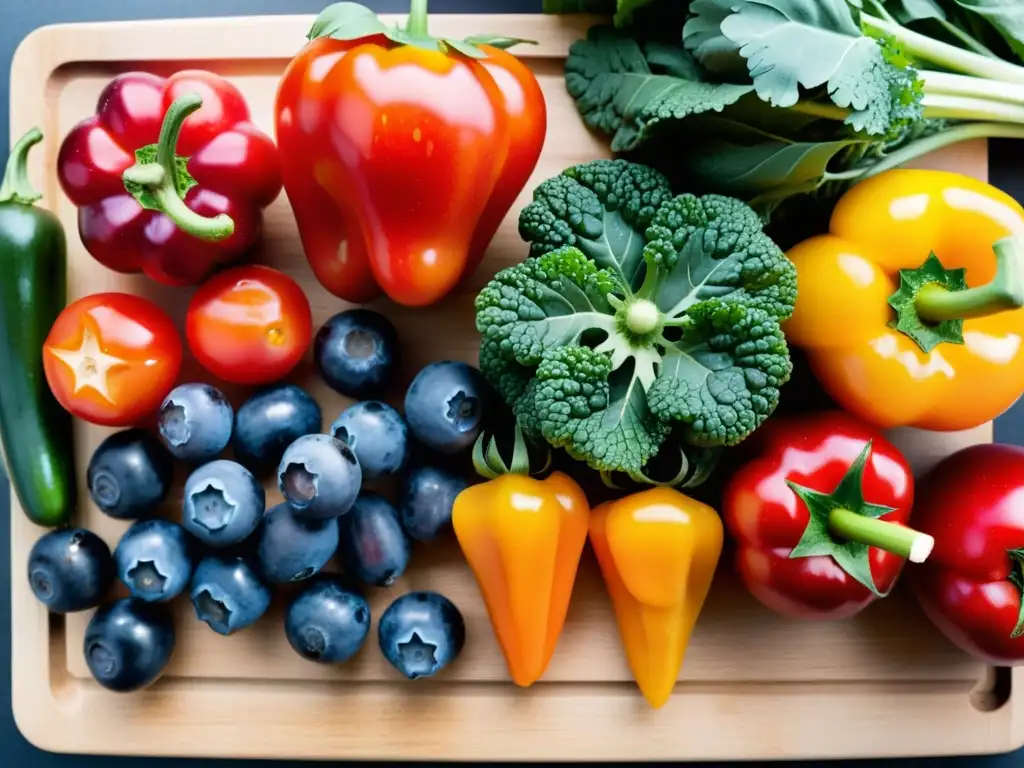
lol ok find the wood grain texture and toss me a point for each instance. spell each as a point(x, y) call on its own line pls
point(753, 686)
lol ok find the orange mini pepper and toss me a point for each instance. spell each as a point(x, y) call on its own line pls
point(909, 308)
point(658, 550)
point(522, 538)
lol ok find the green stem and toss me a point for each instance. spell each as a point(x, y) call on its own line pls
point(945, 55)
point(416, 24)
point(16, 187)
point(851, 175)
point(1006, 291)
point(1016, 578)
point(905, 542)
point(488, 461)
point(945, 138)
point(945, 107)
point(159, 178)
point(948, 84)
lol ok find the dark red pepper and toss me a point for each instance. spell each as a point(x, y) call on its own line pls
point(819, 516)
point(973, 504)
point(170, 176)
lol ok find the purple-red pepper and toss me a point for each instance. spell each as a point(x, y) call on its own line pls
point(170, 176)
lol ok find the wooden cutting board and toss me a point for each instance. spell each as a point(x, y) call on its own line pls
point(754, 685)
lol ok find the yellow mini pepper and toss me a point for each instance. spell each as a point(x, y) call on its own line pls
point(658, 550)
point(522, 538)
point(909, 309)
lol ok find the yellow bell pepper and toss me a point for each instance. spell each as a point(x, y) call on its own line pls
point(891, 329)
point(658, 550)
point(523, 538)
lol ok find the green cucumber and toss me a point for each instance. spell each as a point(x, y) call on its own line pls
point(35, 430)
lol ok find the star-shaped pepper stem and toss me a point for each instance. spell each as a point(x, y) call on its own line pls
point(845, 526)
point(933, 302)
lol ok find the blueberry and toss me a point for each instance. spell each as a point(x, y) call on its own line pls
point(130, 474)
point(154, 560)
point(128, 644)
point(378, 435)
point(195, 422)
point(228, 594)
point(328, 621)
point(356, 352)
point(428, 494)
point(319, 476)
point(270, 421)
point(420, 633)
point(70, 570)
point(373, 548)
point(223, 503)
point(290, 549)
point(444, 405)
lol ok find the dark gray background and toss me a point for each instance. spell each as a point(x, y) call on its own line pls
point(18, 18)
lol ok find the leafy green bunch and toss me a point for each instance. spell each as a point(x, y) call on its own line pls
point(640, 314)
point(768, 100)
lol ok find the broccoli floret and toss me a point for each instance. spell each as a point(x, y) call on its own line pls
point(602, 208)
point(583, 341)
point(722, 380)
point(541, 303)
point(607, 424)
point(713, 247)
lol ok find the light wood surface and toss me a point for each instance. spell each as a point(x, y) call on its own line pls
point(753, 686)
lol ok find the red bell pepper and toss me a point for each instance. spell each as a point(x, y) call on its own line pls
point(402, 152)
point(972, 502)
point(819, 516)
point(170, 176)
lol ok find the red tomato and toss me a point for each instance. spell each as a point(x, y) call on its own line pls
point(111, 358)
point(249, 325)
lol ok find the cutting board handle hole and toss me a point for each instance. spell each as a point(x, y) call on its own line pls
point(993, 689)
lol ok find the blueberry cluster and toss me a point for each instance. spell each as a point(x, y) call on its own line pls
point(229, 550)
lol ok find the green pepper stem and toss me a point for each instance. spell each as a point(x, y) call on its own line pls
point(1016, 578)
point(16, 187)
point(416, 24)
point(159, 177)
point(489, 463)
point(897, 539)
point(1006, 291)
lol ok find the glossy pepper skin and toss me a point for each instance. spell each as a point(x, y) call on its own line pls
point(658, 550)
point(794, 552)
point(955, 359)
point(401, 157)
point(36, 432)
point(523, 538)
point(971, 586)
point(193, 208)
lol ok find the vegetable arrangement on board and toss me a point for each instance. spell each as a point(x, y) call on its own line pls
point(641, 340)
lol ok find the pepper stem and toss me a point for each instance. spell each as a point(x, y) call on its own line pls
point(1016, 578)
point(1006, 291)
point(489, 464)
point(158, 180)
point(897, 539)
point(845, 526)
point(16, 187)
point(416, 24)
